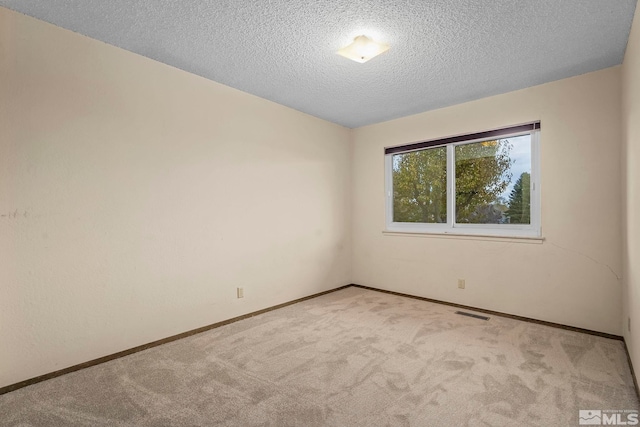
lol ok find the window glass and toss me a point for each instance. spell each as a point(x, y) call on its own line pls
point(493, 180)
point(420, 186)
point(482, 184)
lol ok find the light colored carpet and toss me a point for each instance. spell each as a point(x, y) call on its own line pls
point(354, 357)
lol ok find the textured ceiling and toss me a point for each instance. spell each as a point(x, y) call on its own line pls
point(442, 52)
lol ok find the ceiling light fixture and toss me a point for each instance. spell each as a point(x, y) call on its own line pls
point(363, 49)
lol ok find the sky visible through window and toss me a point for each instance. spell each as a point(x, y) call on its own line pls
point(521, 156)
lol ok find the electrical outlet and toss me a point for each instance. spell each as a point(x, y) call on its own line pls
point(240, 292)
point(461, 283)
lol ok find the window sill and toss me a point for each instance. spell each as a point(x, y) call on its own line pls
point(462, 236)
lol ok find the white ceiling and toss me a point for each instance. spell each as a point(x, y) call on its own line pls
point(442, 52)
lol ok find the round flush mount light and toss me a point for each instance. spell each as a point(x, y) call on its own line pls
point(363, 49)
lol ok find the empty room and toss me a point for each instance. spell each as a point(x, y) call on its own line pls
point(319, 213)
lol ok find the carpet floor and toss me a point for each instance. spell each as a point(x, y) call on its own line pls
point(354, 357)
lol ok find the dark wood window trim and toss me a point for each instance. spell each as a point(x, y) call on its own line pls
point(492, 134)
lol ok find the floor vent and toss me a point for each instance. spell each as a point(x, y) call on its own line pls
point(476, 316)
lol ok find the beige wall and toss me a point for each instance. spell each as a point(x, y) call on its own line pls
point(135, 198)
point(573, 277)
point(631, 196)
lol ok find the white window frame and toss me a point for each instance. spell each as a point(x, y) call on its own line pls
point(534, 229)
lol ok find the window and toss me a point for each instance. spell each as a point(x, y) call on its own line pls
point(484, 184)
